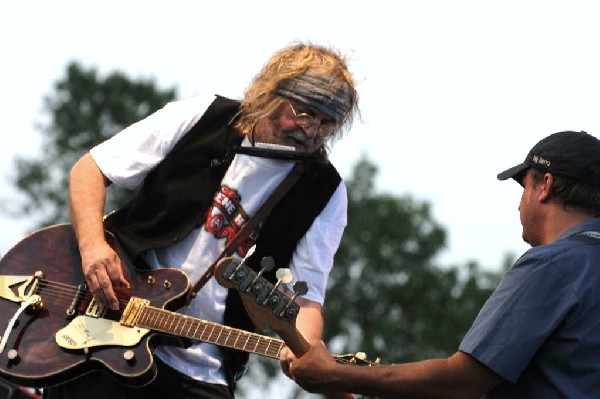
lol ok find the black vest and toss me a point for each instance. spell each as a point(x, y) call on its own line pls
point(177, 193)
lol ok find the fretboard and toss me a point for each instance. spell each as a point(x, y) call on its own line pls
point(201, 330)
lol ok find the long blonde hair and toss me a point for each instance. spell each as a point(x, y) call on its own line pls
point(294, 60)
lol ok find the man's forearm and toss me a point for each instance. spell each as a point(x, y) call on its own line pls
point(459, 376)
point(100, 264)
point(87, 196)
point(390, 381)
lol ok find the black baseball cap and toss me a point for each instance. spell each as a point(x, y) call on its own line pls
point(566, 154)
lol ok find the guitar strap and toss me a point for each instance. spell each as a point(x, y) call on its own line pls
point(250, 225)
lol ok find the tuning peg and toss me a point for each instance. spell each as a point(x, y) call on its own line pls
point(300, 288)
point(266, 264)
point(248, 254)
point(235, 270)
point(283, 276)
point(242, 262)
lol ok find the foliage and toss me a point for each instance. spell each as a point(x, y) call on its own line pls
point(385, 296)
point(84, 110)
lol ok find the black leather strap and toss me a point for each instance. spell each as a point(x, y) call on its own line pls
point(250, 225)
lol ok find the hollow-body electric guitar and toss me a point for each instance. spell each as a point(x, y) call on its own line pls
point(53, 331)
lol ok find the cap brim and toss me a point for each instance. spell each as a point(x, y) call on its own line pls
point(512, 172)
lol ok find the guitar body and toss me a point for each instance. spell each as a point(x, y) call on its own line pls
point(31, 356)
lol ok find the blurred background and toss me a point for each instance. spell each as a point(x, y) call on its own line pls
point(451, 94)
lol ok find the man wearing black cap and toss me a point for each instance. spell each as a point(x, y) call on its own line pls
point(202, 166)
point(538, 335)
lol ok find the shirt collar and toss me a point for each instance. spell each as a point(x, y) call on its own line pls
point(592, 224)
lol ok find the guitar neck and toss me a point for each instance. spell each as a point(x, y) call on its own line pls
point(201, 330)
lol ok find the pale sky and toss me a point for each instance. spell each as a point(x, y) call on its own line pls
point(452, 92)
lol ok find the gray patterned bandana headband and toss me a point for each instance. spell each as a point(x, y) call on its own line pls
point(319, 93)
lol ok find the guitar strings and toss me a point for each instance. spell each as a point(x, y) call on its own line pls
point(62, 294)
point(67, 294)
point(207, 331)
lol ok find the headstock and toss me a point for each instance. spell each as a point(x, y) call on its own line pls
point(267, 305)
point(357, 359)
point(270, 308)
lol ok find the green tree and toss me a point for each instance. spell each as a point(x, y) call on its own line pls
point(385, 295)
point(83, 110)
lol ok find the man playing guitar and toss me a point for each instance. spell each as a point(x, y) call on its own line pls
point(195, 191)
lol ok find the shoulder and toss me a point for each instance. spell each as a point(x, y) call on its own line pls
point(563, 252)
point(569, 262)
point(197, 104)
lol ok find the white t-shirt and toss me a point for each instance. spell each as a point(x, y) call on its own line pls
point(126, 158)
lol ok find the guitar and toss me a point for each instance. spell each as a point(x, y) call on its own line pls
point(257, 294)
point(53, 330)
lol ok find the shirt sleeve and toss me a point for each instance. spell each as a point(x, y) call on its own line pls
point(527, 306)
point(313, 257)
point(127, 157)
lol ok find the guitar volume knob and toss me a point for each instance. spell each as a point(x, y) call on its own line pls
point(129, 356)
point(12, 354)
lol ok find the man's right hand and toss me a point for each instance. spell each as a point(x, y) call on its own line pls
point(313, 370)
point(102, 270)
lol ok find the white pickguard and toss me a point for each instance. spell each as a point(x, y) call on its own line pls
point(86, 332)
